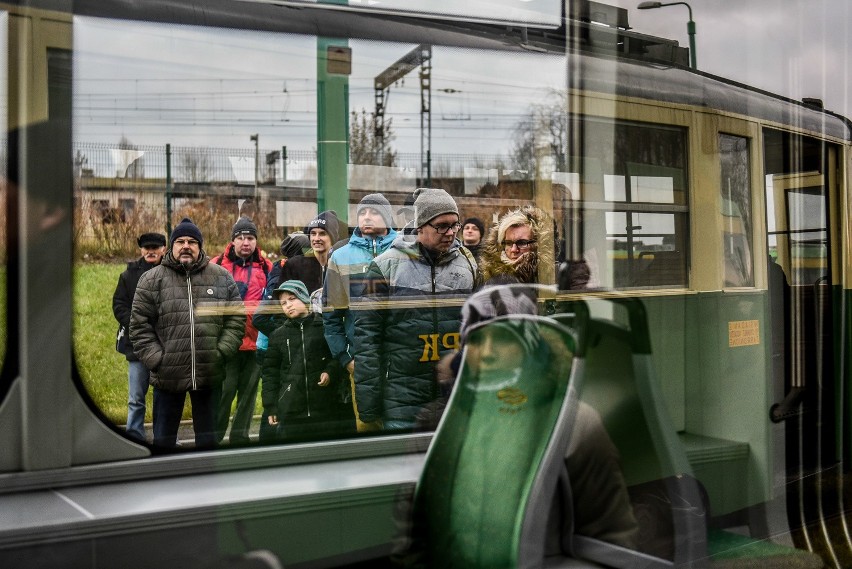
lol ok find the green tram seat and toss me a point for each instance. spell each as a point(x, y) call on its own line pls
point(496, 458)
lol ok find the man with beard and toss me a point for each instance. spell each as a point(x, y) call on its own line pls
point(411, 317)
point(183, 323)
point(152, 246)
point(518, 246)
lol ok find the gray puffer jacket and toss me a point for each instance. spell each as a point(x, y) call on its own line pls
point(184, 320)
point(405, 325)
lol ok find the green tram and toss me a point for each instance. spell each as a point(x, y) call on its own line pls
point(718, 208)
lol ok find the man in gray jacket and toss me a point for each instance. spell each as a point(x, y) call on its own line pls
point(411, 315)
point(186, 317)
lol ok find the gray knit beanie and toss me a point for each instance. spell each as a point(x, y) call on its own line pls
point(379, 203)
point(429, 203)
point(296, 288)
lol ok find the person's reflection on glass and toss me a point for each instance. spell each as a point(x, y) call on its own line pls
point(599, 498)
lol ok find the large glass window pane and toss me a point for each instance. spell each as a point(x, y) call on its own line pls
point(213, 125)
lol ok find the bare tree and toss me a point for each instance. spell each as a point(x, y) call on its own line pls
point(364, 146)
point(544, 126)
point(195, 166)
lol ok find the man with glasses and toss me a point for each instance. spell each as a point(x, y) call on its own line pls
point(518, 246)
point(186, 318)
point(412, 316)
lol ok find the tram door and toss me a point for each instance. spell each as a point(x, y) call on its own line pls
point(800, 186)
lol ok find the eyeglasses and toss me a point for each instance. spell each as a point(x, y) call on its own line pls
point(521, 244)
point(186, 242)
point(444, 228)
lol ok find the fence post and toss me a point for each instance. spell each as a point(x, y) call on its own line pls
point(168, 190)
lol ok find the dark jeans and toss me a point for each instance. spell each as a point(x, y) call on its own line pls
point(168, 408)
point(242, 375)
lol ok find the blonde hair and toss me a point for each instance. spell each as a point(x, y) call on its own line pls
point(513, 219)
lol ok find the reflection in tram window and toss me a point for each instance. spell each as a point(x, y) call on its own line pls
point(736, 211)
point(156, 140)
point(635, 206)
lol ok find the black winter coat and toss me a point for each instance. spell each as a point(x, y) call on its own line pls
point(185, 321)
point(296, 357)
point(122, 302)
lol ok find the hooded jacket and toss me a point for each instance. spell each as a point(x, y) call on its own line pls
point(496, 266)
point(250, 275)
point(346, 278)
point(407, 323)
point(184, 321)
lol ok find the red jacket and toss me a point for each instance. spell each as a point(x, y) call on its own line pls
point(250, 275)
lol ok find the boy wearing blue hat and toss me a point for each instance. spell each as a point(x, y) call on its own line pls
point(301, 381)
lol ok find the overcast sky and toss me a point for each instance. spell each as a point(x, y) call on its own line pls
point(796, 48)
point(194, 87)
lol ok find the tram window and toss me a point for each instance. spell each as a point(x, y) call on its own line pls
point(214, 124)
point(796, 206)
point(735, 194)
point(635, 205)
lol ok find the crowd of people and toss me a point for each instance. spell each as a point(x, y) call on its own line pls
point(341, 335)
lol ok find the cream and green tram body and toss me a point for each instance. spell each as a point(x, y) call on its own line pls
point(722, 209)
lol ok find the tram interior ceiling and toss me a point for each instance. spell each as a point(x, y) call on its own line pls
point(448, 277)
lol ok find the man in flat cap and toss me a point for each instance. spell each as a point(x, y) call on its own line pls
point(152, 246)
point(186, 318)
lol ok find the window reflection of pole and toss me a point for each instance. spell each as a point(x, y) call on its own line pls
point(254, 138)
point(690, 26)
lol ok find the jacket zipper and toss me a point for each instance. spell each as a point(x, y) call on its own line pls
point(191, 329)
point(305, 363)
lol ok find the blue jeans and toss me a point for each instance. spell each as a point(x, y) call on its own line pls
point(168, 408)
point(137, 383)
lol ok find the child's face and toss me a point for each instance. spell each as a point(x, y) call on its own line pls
point(292, 306)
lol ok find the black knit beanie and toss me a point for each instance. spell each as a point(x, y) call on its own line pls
point(186, 229)
point(325, 220)
point(243, 226)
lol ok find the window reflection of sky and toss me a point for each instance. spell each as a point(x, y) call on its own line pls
point(188, 86)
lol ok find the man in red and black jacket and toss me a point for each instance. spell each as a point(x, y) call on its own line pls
point(249, 268)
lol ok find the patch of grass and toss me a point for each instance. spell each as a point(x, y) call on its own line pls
point(104, 370)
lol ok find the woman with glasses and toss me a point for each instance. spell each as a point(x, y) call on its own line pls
point(519, 243)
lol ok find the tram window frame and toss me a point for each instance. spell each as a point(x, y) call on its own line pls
point(673, 252)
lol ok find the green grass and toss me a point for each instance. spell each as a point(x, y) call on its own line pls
point(103, 370)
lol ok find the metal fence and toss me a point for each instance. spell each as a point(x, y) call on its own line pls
point(282, 166)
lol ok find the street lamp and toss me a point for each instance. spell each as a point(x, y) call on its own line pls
point(254, 138)
point(690, 26)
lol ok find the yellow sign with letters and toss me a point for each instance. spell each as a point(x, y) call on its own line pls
point(743, 333)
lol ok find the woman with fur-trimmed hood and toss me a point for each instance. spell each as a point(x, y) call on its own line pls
point(520, 240)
